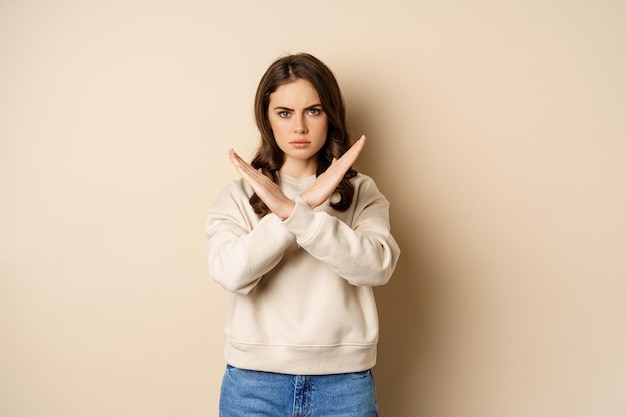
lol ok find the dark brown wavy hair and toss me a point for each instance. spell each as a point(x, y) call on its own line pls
point(269, 157)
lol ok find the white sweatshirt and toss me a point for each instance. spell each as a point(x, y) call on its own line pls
point(302, 300)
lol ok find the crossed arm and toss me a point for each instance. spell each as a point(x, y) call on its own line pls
point(363, 253)
point(320, 191)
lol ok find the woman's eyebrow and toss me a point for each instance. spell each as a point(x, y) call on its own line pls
point(289, 109)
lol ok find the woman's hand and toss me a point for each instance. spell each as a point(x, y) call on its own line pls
point(264, 187)
point(325, 185)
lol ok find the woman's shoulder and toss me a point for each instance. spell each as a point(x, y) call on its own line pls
point(362, 177)
point(235, 189)
point(362, 180)
point(364, 186)
point(237, 186)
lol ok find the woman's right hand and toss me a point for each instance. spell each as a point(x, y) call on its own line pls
point(265, 188)
point(325, 184)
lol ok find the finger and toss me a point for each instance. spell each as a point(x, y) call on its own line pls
point(238, 162)
point(234, 158)
point(242, 167)
point(353, 153)
point(359, 144)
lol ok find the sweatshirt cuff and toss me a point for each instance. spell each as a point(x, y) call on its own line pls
point(302, 222)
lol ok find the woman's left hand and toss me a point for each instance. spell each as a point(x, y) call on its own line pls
point(325, 184)
point(264, 187)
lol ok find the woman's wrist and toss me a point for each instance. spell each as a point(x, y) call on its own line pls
point(311, 199)
point(285, 210)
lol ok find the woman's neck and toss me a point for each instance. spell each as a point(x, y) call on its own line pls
point(299, 169)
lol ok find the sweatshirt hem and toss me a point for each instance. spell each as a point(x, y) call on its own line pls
point(301, 360)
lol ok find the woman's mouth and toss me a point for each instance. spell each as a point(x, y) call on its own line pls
point(300, 143)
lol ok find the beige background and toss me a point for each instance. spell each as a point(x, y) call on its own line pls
point(496, 129)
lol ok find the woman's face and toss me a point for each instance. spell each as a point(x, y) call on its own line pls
point(299, 124)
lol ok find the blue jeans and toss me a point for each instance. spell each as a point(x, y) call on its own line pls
point(252, 393)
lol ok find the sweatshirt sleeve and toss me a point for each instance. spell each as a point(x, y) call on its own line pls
point(239, 250)
point(364, 252)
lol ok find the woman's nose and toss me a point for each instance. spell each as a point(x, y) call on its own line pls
point(300, 125)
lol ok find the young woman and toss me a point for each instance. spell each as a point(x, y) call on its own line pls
point(300, 240)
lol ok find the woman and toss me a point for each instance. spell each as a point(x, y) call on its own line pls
point(300, 240)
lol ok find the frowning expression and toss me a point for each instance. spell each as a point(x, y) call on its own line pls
point(299, 125)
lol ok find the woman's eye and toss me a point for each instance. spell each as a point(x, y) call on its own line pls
point(283, 114)
point(314, 112)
